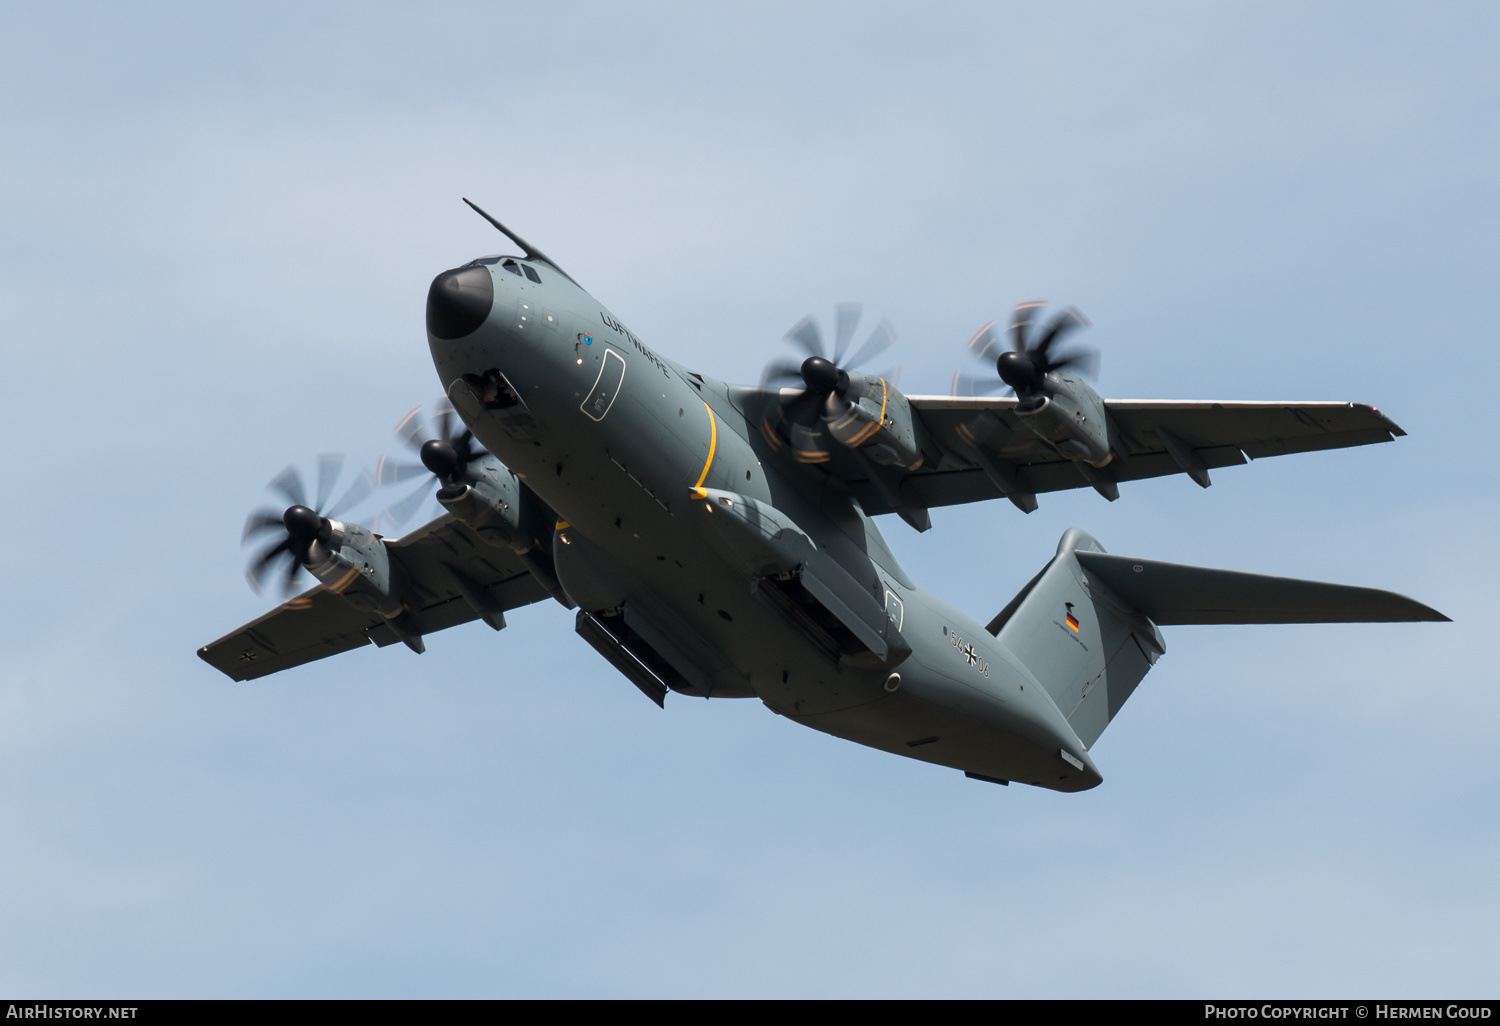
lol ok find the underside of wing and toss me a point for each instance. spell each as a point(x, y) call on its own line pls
point(314, 625)
point(1258, 429)
point(452, 575)
point(987, 452)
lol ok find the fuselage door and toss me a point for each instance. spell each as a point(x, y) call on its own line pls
point(895, 609)
point(602, 396)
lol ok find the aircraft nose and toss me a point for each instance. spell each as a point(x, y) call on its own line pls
point(459, 301)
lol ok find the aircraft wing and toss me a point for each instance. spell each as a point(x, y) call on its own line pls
point(1154, 437)
point(455, 575)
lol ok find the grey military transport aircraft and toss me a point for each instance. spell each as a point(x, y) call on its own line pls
point(716, 540)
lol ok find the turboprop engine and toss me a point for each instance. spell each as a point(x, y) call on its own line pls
point(862, 412)
point(475, 487)
point(1070, 415)
point(488, 499)
point(1059, 408)
point(503, 511)
point(870, 415)
point(347, 558)
point(353, 561)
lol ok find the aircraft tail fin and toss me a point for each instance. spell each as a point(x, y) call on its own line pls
point(1086, 625)
point(1086, 645)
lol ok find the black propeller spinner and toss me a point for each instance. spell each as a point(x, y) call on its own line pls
point(824, 379)
point(1024, 368)
point(444, 455)
point(301, 524)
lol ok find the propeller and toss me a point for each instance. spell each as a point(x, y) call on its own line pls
point(824, 377)
point(300, 524)
point(443, 455)
point(1024, 366)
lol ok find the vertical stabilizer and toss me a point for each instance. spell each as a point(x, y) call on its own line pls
point(1083, 643)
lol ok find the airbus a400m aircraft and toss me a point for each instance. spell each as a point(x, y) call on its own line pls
point(716, 540)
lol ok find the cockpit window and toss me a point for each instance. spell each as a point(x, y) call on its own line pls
point(530, 273)
point(486, 260)
point(510, 265)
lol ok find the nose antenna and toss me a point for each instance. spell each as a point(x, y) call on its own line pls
point(528, 250)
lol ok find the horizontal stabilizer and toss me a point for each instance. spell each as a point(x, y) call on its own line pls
point(1086, 626)
point(1171, 593)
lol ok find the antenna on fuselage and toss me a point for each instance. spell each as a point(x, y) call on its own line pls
point(529, 251)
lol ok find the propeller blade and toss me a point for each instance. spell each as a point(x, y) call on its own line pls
point(445, 425)
point(293, 568)
point(1085, 360)
point(781, 373)
point(467, 451)
point(258, 565)
point(358, 492)
point(984, 344)
point(409, 428)
point(804, 409)
point(846, 319)
point(381, 522)
point(329, 466)
point(289, 484)
point(807, 442)
point(1020, 322)
point(805, 333)
point(388, 471)
point(974, 385)
point(879, 341)
point(1063, 324)
point(270, 553)
point(259, 522)
point(401, 512)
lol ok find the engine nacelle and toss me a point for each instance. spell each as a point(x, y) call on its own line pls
point(498, 506)
point(488, 500)
point(878, 422)
point(1071, 416)
point(353, 561)
point(504, 512)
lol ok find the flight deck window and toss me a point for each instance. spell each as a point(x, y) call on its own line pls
point(510, 265)
point(530, 273)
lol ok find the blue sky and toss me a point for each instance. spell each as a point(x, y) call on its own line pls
point(217, 227)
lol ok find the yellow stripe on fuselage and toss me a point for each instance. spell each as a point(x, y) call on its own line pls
point(713, 444)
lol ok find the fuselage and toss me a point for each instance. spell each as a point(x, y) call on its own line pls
point(623, 444)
